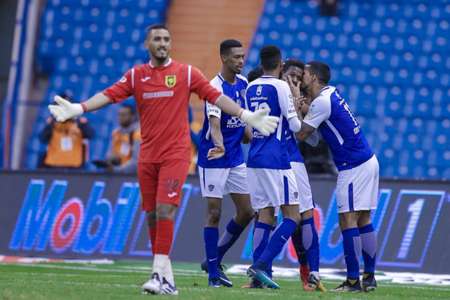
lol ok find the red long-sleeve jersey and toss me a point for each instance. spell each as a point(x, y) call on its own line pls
point(162, 97)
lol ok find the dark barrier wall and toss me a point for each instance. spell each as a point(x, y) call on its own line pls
point(91, 216)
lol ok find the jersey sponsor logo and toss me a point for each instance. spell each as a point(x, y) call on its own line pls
point(160, 94)
point(145, 79)
point(235, 122)
point(171, 80)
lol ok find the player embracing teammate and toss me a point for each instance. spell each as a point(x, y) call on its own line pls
point(277, 179)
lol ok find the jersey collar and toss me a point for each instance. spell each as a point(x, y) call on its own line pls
point(324, 88)
point(165, 65)
point(223, 79)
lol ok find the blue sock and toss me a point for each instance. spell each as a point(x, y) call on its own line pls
point(352, 251)
point(276, 243)
point(228, 238)
point(260, 238)
point(310, 241)
point(210, 237)
point(269, 270)
point(369, 247)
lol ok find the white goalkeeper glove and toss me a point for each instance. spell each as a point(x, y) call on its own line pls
point(64, 110)
point(260, 120)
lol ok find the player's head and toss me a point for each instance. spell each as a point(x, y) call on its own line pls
point(293, 68)
point(158, 42)
point(270, 57)
point(126, 114)
point(316, 73)
point(255, 74)
point(232, 55)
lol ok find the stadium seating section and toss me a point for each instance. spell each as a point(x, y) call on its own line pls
point(390, 60)
point(86, 45)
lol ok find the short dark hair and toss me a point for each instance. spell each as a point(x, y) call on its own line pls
point(292, 62)
point(255, 74)
point(270, 57)
point(130, 106)
point(156, 26)
point(321, 70)
point(226, 45)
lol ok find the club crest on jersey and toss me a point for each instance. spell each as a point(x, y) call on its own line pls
point(259, 90)
point(211, 187)
point(171, 80)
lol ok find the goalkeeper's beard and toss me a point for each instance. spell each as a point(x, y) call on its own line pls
point(161, 59)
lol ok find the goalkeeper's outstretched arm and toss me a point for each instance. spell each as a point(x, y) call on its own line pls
point(65, 110)
point(97, 101)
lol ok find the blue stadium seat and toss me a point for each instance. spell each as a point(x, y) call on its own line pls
point(86, 45)
point(390, 59)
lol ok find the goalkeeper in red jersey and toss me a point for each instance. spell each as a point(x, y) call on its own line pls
point(162, 89)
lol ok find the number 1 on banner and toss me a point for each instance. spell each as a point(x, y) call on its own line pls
point(415, 209)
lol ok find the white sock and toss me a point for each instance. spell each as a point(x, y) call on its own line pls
point(316, 274)
point(159, 263)
point(168, 273)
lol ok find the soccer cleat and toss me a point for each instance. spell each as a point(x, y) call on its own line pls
point(347, 286)
point(168, 289)
point(153, 285)
point(224, 280)
point(314, 284)
point(261, 276)
point(304, 274)
point(214, 282)
point(368, 282)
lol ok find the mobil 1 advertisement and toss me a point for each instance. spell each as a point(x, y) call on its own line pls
point(79, 215)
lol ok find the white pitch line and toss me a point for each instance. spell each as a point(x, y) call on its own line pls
point(184, 272)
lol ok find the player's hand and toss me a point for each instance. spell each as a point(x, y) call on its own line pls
point(64, 110)
point(260, 120)
point(217, 152)
point(295, 88)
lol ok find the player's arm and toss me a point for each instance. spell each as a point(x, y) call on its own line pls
point(319, 111)
point(286, 102)
point(214, 114)
point(65, 110)
point(259, 119)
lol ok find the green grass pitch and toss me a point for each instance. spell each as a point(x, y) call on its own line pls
point(122, 280)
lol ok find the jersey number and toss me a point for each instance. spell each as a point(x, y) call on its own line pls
point(356, 129)
point(262, 105)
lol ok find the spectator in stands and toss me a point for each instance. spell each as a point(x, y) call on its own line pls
point(66, 142)
point(328, 8)
point(125, 142)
